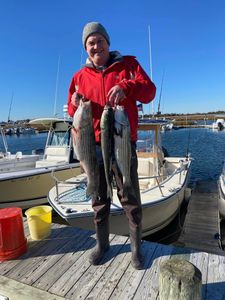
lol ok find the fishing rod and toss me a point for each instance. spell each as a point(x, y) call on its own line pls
point(56, 88)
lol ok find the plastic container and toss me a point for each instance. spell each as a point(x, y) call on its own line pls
point(12, 239)
point(39, 220)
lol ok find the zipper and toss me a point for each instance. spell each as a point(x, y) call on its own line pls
point(103, 100)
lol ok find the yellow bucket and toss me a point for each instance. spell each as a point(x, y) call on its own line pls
point(39, 220)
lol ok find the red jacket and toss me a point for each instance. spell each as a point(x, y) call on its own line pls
point(94, 84)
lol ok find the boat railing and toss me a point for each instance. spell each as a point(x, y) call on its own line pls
point(158, 178)
point(67, 182)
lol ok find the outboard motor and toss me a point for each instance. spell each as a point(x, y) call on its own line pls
point(220, 126)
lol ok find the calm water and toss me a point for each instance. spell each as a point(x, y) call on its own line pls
point(24, 142)
point(207, 147)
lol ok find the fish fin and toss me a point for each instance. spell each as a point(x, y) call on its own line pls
point(109, 192)
point(91, 191)
point(118, 129)
point(127, 187)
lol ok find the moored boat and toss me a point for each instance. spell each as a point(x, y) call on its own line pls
point(26, 179)
point(219, 124)
point(162, 181)
point(221, 189)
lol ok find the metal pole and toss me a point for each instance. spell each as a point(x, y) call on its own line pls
point(56, 87)
point(150, 64)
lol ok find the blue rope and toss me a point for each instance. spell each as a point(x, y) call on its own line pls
point(75, 195)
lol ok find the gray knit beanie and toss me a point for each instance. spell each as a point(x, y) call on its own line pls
point(94, 27)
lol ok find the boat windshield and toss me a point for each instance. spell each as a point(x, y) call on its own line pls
point(149, 140)
point(145, 141)
point(58, 138)
point(149, 145)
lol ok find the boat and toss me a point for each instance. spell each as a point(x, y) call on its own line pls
point(167, 125)
point(162, 181)
point(221, 189)
point(219, 124)
point(26, 179)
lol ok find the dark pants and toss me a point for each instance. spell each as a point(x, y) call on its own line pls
point(131, 202)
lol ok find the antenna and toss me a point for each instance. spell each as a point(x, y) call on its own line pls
point(150, 50)
point(150, 65)
point(56, 87)
point(10, 107)
point(160, 95)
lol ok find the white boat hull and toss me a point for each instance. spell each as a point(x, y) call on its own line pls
point(155, 217)
point(17, 162)
point(25, 180)
point(221, 200)
point(218, 125)
point(158, 210)
point(30, 187)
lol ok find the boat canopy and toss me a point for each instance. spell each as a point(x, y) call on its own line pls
point(47, 122)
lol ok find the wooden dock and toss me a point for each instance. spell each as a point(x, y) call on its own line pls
point(201, 227)
point(58, 268)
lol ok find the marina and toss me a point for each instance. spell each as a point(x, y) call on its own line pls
point(112, 151)
point(57, 267)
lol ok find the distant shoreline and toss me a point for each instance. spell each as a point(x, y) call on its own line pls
point(172, 117)
point(194, 117)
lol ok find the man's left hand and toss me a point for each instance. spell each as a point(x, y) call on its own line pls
point(115, 95)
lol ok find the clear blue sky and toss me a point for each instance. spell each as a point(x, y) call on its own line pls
point(187, 38)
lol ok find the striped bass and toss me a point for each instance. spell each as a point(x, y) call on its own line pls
point(107, 129)
point(84, 146)
point(122, 146)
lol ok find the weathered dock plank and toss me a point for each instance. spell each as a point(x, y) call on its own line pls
point(19, 291)
point(33, 246)
point(89, 279)
point(80, 265)
point(43, 257)
point(215, 286)
point(148, 288)
point(128, 284)
point(58, 266)
point(201, 224)
point(58, 269)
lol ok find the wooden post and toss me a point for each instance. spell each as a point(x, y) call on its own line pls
point(179, 279)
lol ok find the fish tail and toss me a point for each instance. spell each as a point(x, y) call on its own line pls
point(89, 190)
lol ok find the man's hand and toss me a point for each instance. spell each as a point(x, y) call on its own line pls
point(76, 98)
point(115, 95)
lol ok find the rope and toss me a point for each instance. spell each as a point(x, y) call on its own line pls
point(76, 194)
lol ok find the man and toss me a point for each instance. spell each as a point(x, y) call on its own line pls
point(109, 77)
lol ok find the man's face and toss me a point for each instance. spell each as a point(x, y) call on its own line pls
point(97, 49)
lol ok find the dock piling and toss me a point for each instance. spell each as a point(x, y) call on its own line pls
point(179, 279)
